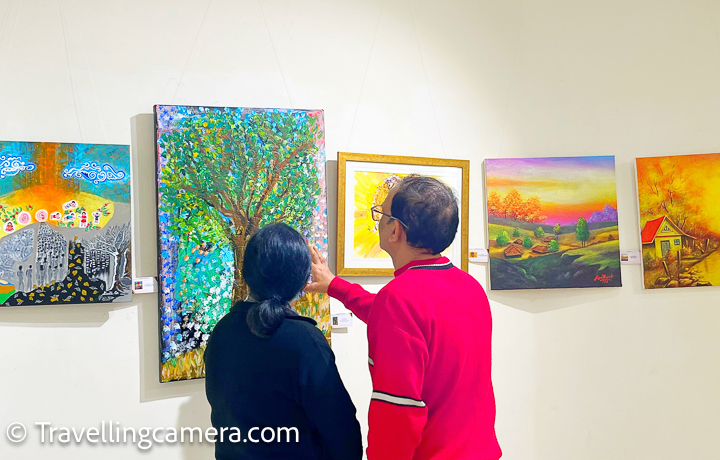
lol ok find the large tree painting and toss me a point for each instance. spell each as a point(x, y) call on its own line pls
point(64, 223)
point(223, 173)
point(679, 198)
point(552, 222)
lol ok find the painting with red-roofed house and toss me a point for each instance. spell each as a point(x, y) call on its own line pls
point(679, 201)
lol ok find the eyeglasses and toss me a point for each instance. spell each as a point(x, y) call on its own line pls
point(377, 214)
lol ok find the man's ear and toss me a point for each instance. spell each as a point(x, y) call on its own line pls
point(396, 231)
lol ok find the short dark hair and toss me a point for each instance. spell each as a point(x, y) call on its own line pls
point(429, 209)
point(276, 267)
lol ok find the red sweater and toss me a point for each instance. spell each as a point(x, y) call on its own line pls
point(429, 334)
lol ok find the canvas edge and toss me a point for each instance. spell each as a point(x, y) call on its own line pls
point(159, 246)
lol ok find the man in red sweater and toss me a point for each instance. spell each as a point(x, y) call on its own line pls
point(429, 335)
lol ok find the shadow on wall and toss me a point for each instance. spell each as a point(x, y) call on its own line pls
point(331, 184)
point(80, 315)
point(144, 185)
point(195, 413)
point(530, 301)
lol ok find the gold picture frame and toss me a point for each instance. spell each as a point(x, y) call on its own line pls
point(366, 167)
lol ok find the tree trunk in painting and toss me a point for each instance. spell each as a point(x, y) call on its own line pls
point(240, 289)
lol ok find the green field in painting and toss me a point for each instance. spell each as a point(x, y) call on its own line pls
point(597, 264)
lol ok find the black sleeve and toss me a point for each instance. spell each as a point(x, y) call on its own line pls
point(328, 406)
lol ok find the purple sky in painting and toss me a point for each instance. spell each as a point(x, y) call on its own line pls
point(568, 187)
point(510, 167)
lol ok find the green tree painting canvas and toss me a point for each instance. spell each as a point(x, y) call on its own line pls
point(223, 173)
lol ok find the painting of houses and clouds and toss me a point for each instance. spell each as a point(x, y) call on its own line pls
point(64, 223)
point(679, 198)
point(552, 222)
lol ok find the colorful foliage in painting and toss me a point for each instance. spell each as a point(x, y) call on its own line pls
point(223, 173)
point(60, 203)
point(679, 198)
point(561, 213)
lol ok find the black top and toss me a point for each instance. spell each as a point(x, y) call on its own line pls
point(288, 380)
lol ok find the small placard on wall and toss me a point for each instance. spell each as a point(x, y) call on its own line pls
point(479, 255)
point(341, 320)
point(144, 285)
point(630, 257)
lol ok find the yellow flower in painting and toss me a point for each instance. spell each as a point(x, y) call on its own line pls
point(371, 188)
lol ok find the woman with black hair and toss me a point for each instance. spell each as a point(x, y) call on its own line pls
point(270, 373)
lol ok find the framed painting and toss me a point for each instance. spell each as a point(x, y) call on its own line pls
point(65, 223)
point(552, 222)
point(364, 181)
point(223, 173)
point(679, 203)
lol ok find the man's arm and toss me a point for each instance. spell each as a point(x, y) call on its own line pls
point(353, 296)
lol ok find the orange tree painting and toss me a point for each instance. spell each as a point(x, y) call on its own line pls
point(679, 198)
point(223, 173)
point(64, 223)
point(552, 222)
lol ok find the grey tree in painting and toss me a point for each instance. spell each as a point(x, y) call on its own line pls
point(107, 256)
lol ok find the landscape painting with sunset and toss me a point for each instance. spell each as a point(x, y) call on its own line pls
point(552, 222)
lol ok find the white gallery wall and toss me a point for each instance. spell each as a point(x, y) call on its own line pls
point(622, 374)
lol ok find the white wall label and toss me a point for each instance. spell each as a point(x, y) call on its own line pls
point(630, 257)
point(144, 285)
point(341, 320)
point(479, 255)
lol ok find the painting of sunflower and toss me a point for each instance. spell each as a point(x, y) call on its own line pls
point(364, 181)
point(371, 189)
